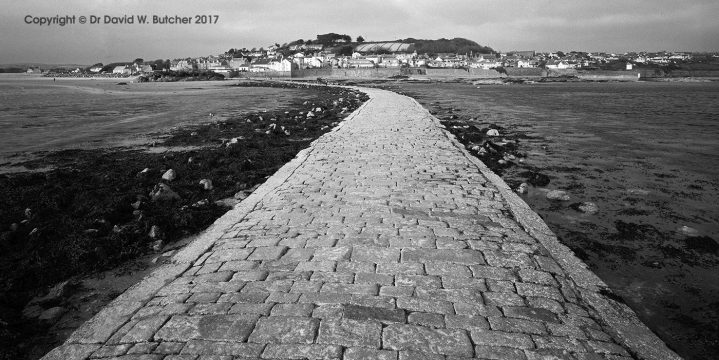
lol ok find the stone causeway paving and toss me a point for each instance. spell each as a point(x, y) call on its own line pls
point(383, 240)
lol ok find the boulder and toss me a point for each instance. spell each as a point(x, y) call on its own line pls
point(559, 195)
point(169, 175)
point(154, 232)
point(492, 132)
point(163, 192)
point(688, 231)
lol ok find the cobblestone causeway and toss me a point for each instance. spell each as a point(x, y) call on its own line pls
point(384, 240)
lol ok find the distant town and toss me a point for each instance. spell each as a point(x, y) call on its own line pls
point(411, 56)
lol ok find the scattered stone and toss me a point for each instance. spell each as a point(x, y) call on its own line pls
point(154, 232)
point(52, 314)
point(143, 172)
point(201, 203)
point(28, 213)
point(33, 231)
point(241, 195)
point(558, 195)
point(492, 132)
point(688, 231)
point(163, 192)
point(136, 205)
point(14, 226)
point(157, 245)
point(310, 114)
point(523, 188)
point(206, 184)
point(586, 207)
point(169, 175)
point(194, 133)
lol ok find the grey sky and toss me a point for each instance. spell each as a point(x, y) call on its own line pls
point(543, 25)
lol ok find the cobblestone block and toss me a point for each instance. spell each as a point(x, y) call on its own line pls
point(382, 315)
point(503, 299)
point(228, 255)
point(375, 255)
point(285, 330)
point(433, 306)
point(499, 353)
point(284, 298)
point(453, 282)
point(558, 354)
point(209, 309)
point(537, 277)
point(298, 351)
point(566, 330)
point(474, 309)
point(328, 266)
point(355, 267)
point(605, 347)
point(517, 325)
point(333, 277)
point(244, 297)
point(359, 289)
point(208, 327)
point(418, 338)
point(500, 338)
point(547, 304)
point(530, 313)
point(406, 268)
point(204, 297)
point(251, 309)
point(556, 342)
point(548, 264)
point(267, 253)
point(111, 351)
point(328, 311)
point(358, 353)
point(447, 269)
point(501, 286)
point(463, 256)
point(255, 275)
point(508, 259)
point(332, 254)
point(348, 332)
point(418, 355)
point(465, 322)
point(292, 310)
point(491, 272)
point(142, 348)
point(396, 291)
point(204, 347)
point(426, 281)
point(426, 319)
point(548, 292)
point(238, 265)
point(450, 243)
point(372, 278)
point(169, 347)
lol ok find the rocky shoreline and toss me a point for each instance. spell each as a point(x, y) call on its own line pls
point(97, 209)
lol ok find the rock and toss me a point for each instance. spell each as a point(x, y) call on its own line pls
point(310, 114)
point(201, 203)
point(194, 133)
point(241, 195)
point(143, 172)
point(688, 231)
point(501, 161)
point(586, 207)
point(136, 205)
point(154, 232)
point(157, 245)
point(163, 192)
point(206, 184)
point(190, 160)
point(52, 314)
point(14, 226)
point(641, 192)
point(33, 232)
point(319, 109)
point(523, 188)
point(28, 213)
point(492, 132)
point(558, 195)
point(169, 175)
point(91, 231)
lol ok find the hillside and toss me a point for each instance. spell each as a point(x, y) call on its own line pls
point(456, 45)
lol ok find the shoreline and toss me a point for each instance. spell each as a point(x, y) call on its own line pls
point(131, 222)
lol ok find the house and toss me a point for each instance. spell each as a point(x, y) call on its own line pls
point(96, 69)
point(262, 65)
point(629, 66)
point(557, 64)
point(121, 70)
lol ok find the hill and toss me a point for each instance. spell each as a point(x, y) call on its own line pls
point(456, 45)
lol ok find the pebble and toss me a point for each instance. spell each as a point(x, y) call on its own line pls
point(206, 184)
point(688, 231)
point(310, 114)
point(492, 132)
point(157, 245)
point(523, 188)
point(154, 232)
point(588, 207)
point(169, 175)
point(558, 195)
point(162, 192)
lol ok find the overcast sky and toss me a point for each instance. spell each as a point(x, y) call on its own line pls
point(505, 25)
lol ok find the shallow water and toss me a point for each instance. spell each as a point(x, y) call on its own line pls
point(646, 154)
point(37, 114)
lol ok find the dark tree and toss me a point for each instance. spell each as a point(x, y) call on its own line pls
point(138, 61)
point(360, 39)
